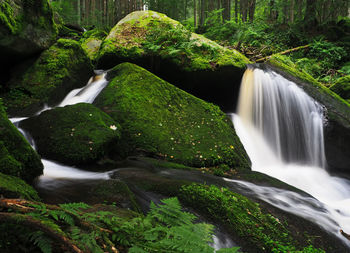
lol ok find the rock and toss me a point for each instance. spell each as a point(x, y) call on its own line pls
point(14, 187)
point(17, 158)
point(91, 42)
point(166, 48)
point(76, 134)
point(61, 68)
point(342, 87)
point(161, 120)
point(337, 112)
point(26, 27)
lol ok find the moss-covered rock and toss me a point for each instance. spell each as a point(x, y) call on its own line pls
point(14, 187)
point(77, 134)
point(160, 119)
point(92, 41)
point(337, 112)
point(187, 60)
point(58, 70)
point(26, 27)
point(17, 158)
point(255, 229)
point(342, 87)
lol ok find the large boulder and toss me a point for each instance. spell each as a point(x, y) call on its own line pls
point(26, 27)
point(76, 134)
point(61, 68)
point(17, 158)
point(337, 112)
point(161, 120)
point(166, 48)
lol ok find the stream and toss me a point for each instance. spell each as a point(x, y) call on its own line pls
point(274, 115)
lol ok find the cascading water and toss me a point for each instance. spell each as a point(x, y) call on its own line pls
point(281, 128)
point(52, 170)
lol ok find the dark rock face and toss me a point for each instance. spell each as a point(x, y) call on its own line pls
point(26, 29)
point(337, 146)
point(76, 134)
point(17, 158)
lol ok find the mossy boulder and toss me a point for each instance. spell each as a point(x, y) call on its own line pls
point(166, 48)
point(26, 27)
point(14, 187)
point(92, 41)
point(337, 112)
point(61, 68)
point(161, 120)
point(17, 158)
point(342, 87)
point(76, 134)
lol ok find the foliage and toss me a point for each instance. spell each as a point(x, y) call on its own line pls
point(166, 228)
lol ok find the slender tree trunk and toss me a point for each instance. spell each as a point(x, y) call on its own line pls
point(195, 13)
point(291, 14)
point(252, 4)
point(236, 11)
point(310, 13)
point(78, 13)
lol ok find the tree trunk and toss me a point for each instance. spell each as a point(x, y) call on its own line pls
point(195, 13)
point(310, 14)
point(291, 14)
point(252, 4)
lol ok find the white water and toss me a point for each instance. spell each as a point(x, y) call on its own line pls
point(53, 170)
point(281, 128)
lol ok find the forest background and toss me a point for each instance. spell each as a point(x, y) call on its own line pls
point(317, 31)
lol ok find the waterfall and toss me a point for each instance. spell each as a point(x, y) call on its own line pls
point(288, 119)
point(53, 170)
point(281, 128)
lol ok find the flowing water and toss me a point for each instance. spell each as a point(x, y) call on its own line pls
point(281, 128)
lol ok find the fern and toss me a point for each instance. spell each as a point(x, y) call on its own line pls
point(39, 239)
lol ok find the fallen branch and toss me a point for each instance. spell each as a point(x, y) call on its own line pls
point(283, 53)
point(37, 225)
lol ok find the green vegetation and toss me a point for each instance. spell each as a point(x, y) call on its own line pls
point(160, 119)
point(75, 134)
point(29, 27)
point(91, 42)
point(13, 187)
point(17, 158)
point(244, 218)
point(58, 70)
point(342, 87)
point(148, 34)
point(77, 226)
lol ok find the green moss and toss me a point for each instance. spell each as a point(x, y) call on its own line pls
point(288, 66)
point(91, 42)
point(29, 27)
point(144, 34)
point(61, 68)
point(258, 230)
point(17, 158)
point(7, 16)
point(337, 107)
point(342, 87)
point(13, 187)
point(76, 134)
point(158, 118)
